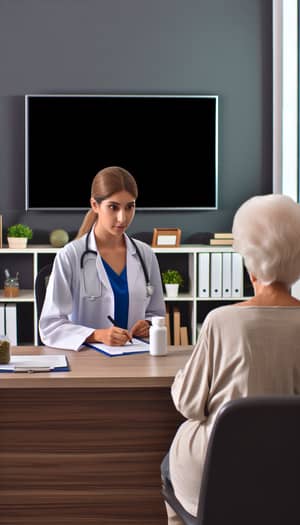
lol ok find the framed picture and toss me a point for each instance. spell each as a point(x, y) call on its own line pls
point(166, 237)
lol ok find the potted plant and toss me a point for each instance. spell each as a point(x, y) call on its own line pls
point(172, 279)
point(18, 235)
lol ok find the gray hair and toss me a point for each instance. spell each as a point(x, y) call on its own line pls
point(266, 232)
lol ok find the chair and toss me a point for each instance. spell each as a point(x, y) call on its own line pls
point(40, 286)
point(252, 466)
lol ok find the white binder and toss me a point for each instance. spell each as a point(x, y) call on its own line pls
point(216, 274)
point(237, 275)
point(11, 322)
point(203, 276)
point(226, 274)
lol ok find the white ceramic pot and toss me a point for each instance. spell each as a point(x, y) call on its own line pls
point(17, 242)
point(172, 290)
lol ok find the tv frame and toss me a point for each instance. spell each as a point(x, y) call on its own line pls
point(111, 96)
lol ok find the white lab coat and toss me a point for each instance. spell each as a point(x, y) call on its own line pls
point(78, 301)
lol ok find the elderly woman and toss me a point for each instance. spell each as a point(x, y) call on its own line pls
point(246, 349)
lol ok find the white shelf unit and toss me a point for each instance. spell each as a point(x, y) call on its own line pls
point(192, 296)
point(189, 297)
point(25, 295)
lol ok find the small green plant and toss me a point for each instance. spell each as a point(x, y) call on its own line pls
point(172, 277)
point(19, 230)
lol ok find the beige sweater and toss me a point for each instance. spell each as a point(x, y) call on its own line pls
point(241, 351)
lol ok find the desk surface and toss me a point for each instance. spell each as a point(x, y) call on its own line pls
point(91, 369)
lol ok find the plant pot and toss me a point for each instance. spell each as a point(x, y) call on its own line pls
point(17, 242)
point(172, 290)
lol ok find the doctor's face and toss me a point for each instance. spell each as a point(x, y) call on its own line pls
point(115, 213)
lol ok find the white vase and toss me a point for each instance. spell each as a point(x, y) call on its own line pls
point(17, 242)
point(172, 290)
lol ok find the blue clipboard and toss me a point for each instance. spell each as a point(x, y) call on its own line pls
point(36, 363)
point(138, 346)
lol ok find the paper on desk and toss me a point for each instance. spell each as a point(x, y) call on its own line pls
point(35, 361)
point(136, 347)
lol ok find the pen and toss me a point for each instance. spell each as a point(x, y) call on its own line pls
point(110, 318)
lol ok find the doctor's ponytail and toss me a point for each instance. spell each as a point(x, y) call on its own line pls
point(88, 221)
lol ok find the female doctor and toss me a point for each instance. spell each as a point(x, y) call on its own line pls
point(104, 286)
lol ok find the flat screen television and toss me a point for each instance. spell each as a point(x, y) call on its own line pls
point(168, 142)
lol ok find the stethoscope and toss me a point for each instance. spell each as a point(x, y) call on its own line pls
point(149, 287)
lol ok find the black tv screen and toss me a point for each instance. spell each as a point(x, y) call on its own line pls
point(169, 143)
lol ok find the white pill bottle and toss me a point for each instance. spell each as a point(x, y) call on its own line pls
point(158, 336)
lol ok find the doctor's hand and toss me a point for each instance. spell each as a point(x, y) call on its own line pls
point(140, 329)
point(112, 336)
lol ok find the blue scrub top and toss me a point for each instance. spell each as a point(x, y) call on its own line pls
point(119, 285)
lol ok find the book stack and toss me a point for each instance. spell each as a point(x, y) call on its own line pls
point(176, 334)
point(221, 239)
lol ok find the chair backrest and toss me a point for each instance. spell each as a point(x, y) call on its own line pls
point(40, 286)
point(252, 465)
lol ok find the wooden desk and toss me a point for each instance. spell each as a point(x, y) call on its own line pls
point(84, 447)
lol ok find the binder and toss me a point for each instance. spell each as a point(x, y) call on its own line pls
point(168, 325)
point(226, 274)
point(184, 339)
point(216, 274)
point(11, 322)
point(176, 325)
point(237, 275)
point(203, 276)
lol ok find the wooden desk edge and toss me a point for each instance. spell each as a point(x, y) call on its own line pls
point(89, 369)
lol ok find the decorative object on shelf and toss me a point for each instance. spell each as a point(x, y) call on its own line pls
point(58, 238)
point(4, 350)
point(11, 284)
point(172, 279)
point(199, 238)
point(18, 235)
point(0, 231)
point(166, 237)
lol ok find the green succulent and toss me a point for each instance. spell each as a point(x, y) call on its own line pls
point(172, 277)
point(19, 230)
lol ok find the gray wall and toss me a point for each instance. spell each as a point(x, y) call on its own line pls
point(221, 47)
